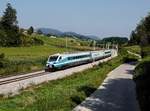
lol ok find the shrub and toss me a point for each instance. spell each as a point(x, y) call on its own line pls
point(129, 58)
point(145, 52)
point(30, 41)
point(36, 41)
point(2, 55)
point(126, 58)
point(142, 80)
point(21, 66)
point(3, 62)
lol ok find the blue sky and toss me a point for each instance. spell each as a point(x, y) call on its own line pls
point(91, 17)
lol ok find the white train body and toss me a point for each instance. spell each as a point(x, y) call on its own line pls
point(60, 61)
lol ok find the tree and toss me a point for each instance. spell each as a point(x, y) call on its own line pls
point(116, 40)
point(3, 37)
point(9, 19)
point(39, 31)
point(9, 26)
point(143, 31)
point(142, 35)
point(91, 43)
point(133, 38)
point(30, 30)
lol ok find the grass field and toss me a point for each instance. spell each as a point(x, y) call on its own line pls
point(51, 46)
point(26, 59)
point(134, 49)
point(60, 95)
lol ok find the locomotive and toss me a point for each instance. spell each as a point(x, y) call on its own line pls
point(61, 61)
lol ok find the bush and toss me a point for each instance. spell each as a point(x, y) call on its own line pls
point(126, 58)
point(142, 80)
point(36, 41)
point(2, 55)
point(3, 62)
point(21, 66)
point(145, 52)
point(129, 58)
point(30, 41)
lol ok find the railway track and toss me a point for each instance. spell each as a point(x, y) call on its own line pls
point(12, 79)
point(13, 84)
point(19, 78)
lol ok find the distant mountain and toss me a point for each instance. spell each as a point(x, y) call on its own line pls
point(50, 31)
point(93, 36)
point(75, 35)
point(63, 34)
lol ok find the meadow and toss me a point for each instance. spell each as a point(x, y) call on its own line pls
point(60, 95)
point(63, 94)
point(33, 58)
point(135, 49)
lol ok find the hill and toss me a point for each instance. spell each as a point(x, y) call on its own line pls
point(58, 33)
point(50, 31)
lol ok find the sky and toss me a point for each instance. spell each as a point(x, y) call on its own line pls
point(102, 18)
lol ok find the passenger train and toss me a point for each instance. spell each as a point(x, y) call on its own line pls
point(61, 61)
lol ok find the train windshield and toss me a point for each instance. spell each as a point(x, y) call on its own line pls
point(53, 58)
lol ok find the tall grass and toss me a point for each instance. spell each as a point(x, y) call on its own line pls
point(22, 66)
point(60, 95)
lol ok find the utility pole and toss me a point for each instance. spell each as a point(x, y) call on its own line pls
point(103, 46)
point(66, 43)
point(94, 43)
point(117, 48)
point(113, 46)
point(106, 45)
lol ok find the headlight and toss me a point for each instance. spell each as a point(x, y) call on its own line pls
point(49, 65)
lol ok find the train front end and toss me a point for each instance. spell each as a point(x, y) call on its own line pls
point(50, 65)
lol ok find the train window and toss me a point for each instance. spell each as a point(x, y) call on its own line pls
point(70, 58)
point(107, 52)
point(60, 58)
point(53, 58)
point(78, 57)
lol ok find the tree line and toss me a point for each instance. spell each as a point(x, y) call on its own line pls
point(141, 36)
point(11, 34)
point(116, 40)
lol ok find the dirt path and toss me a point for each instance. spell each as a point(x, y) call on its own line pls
point(117, 93)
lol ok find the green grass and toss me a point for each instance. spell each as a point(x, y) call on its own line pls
point(60, 95)
point(30, 53)
point(27, 59)
point(134, 49)
point(51, 46)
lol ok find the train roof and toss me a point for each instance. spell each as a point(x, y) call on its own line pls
point(76, 53)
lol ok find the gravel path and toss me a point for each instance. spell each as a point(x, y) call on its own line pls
point(138, 55)
point(117, 93)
